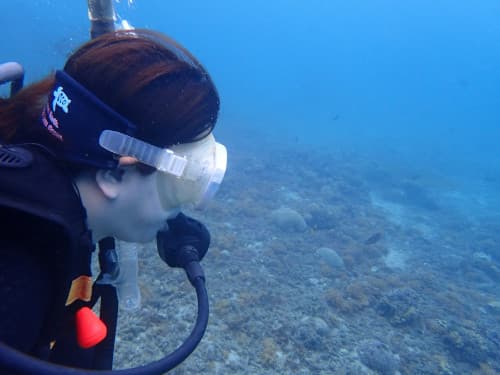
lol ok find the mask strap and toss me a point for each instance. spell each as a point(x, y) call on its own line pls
point(163, 159)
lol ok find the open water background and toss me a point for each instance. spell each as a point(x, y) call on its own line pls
point(370, 128)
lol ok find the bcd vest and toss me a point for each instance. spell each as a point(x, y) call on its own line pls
point(38, 196)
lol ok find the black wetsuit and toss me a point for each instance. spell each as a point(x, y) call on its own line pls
point(44, 245)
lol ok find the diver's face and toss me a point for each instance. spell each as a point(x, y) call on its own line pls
point(140, 212)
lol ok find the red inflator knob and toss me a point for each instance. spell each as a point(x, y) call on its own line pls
point(90, 330)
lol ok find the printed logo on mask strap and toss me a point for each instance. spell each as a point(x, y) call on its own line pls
point(60, 100)
point(50, 122)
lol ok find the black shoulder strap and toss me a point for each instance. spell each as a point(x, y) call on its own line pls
point(15, 157)
point(108, 262)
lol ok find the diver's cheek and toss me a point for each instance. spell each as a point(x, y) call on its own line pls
point(143, 234)
point(140, 228)
point(167, 193)
point(173, 213)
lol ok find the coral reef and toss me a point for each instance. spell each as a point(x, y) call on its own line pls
point(330, 257)
point(305, 289)
point(323, 217)
point(399, 306)
point(377, 356)
point(464, 342)
point(311, 333)
point(353, 298)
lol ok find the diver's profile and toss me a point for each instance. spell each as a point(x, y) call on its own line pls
point(113, 146)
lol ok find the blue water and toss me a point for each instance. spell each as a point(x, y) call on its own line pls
point(420, 77)
point(410, 89)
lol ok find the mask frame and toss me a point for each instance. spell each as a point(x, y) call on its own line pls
point(201, 175)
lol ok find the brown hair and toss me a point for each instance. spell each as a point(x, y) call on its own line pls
point(19, 114)
point(143, 75)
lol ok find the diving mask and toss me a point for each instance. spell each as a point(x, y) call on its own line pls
point(191, 172)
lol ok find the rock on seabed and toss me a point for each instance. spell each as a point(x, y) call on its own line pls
point(288, 220)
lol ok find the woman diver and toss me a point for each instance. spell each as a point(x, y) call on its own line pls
point(114, 145)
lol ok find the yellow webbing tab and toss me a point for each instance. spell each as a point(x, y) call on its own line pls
point(81, 289)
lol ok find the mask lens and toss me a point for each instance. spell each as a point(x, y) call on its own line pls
point(202, 176)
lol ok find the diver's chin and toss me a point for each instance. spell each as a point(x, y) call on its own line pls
point(142, 237)
point(172, 213)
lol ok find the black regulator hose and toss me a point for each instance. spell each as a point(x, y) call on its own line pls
point(20, 363)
